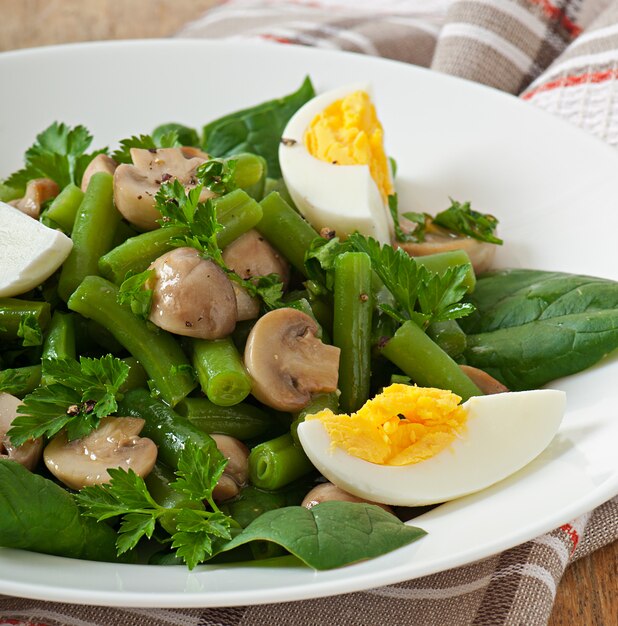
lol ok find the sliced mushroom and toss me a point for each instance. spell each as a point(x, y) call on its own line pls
point(189, 152)
point(326, 492)
point(115, 443)
point(29, 453)
point(100, 163)
point(287, 362)
point(135, 186)
point(251, 256)
point(38, 191)
point(236, 473)
point(486, 383)
point(438, 239)
point(192, 296)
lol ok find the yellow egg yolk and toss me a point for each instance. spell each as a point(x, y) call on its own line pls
point(348, 132)
point(400, 426)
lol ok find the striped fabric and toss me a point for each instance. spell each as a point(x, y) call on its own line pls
point(561, 55)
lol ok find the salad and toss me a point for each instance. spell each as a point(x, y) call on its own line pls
point(200, 322)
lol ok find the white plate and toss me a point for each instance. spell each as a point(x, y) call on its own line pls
point(553, 188)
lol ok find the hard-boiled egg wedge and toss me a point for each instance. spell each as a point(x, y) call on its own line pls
point(29, 251)
point(334, 165)
point(448, 450)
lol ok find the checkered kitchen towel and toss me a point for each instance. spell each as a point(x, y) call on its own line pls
point(561, 55)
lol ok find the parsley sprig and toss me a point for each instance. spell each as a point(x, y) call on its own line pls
point(420, 295)
point(77, 396)
point(59, 153)
point(144, 142)
point(459, 218)
point(198, 531)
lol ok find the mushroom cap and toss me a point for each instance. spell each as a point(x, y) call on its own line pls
point(115, 443)
point(236, 473)
point(100, 163)
point(485, 382)
point(250, 256)
point(29, 453)
point(135, 186)
point(287, 362)
point(248, 307)
point(38, 190)
point(326, 492)
point(191, 296)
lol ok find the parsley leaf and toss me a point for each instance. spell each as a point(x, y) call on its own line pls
point(420, 295)
point(59, 153)
point(30, 331)
point(393, 207)
point(132, 292)
point(218, 175)
point(144, 142)
point(460, 218)
point(77, 397)
point(198, 531)
point(320, 263)
point(14, 380)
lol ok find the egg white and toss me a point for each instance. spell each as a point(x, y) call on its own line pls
point(504, 433)
point(344, 198)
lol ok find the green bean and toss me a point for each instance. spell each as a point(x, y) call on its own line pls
point(440, 262)
point(426, 363)
point(64, 207)
point(137, 253)
point(60, 339)
point(237, 212)
point(137, 376)
point(318, 402)
point(278, 462)
point(20, 381)
point(278, 185)
point(164, 426)
point(14, 312)
point(250, 173)
point(93, 234)
point(123, 232)
point(158, 483)
point(158, 352)
point(352, 327)
point(449, 336)
point(286, 230)
point(242, 421)
point(220, 370)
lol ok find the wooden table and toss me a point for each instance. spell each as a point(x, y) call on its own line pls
point(588, 593)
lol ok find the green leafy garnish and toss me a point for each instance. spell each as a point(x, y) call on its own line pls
point(320, 263)
point(122, 154)
point(59, 153)
point(78, 397)
point(199, 532)
point(420, 295)
point(132, 292)
point(393, 207)
point(218, 175)
point(186, 136)
point(179, 207)
point(30, 331)
point(257, 129)
point(13, 380)
point(460, 218)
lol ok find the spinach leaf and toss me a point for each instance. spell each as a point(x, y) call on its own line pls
point(257, 129)
point(331, 534)
point(38, 515)
point(531, 327)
